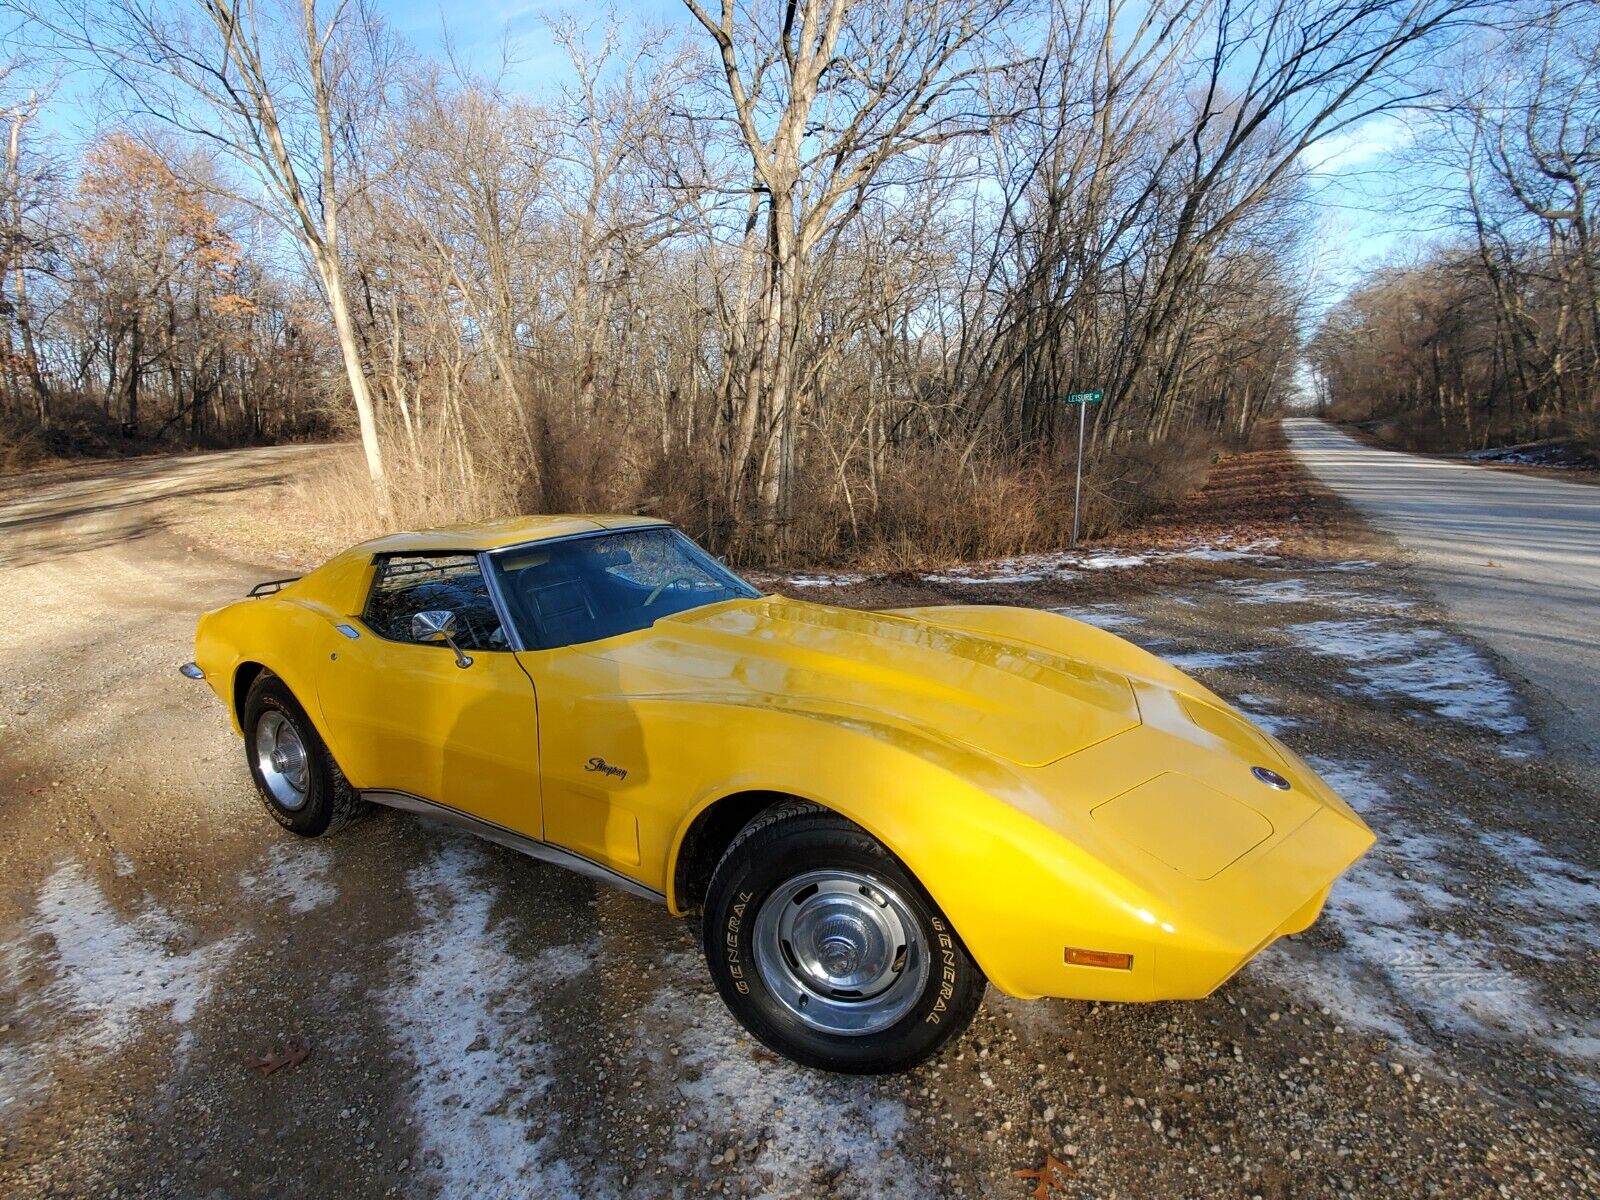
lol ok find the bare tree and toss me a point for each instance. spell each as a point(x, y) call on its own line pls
point(826, 95)
point(289, 92)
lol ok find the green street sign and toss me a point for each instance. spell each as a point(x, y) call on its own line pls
point(1086, 397)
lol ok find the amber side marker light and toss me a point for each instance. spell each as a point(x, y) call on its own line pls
point(1098, 958)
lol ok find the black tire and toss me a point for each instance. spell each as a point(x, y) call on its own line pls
point(328, 803)
point(768, 862)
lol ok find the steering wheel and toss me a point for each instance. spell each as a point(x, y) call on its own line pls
point(664, 585)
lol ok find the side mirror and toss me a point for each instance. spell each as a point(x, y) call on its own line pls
point(438, 625)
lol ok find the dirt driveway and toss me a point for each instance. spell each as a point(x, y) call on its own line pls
point(481, 1025)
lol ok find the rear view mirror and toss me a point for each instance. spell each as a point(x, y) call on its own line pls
point(438, 625)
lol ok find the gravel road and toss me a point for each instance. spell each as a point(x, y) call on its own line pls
point(1516, 559)
point(478, 1025)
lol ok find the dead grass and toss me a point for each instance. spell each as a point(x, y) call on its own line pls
point(924, 510)
point(1261, 495)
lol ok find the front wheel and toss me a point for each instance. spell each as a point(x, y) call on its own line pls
point(828, 950)
point(300, 784)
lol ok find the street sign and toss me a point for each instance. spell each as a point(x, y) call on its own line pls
point(1082, 400)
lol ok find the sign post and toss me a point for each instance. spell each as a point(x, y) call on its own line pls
point(1082, 400)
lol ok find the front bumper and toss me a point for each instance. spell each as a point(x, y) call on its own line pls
point(1191, 942)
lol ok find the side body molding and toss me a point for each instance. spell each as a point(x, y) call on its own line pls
point(532, 847)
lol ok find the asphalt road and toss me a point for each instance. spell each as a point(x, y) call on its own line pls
point(1515, 558)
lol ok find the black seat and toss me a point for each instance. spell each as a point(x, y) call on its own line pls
point(558, 601)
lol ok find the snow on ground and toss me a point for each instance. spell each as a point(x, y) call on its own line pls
point(114, 969)
point(1227, 553)
point(297, 871)
point(1016, 571)
point(821, 581)
point(1275, 591)
point(1298, 589)
point(111, 975)
point(1207, 660)
point(1349, 564)
point(818, 1122)
point(1560, 900)
point(1101, 616)
point(1059, 565)
point(1427, 666)
point(1563, 457)
point(19, 1075)
point(464, 1012)
point(1064, 564)
point(1260, 709)
point(1110, 560)
point(1397, 966)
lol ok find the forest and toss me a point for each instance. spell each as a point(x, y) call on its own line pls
point(811, 278)
point(1492, 336)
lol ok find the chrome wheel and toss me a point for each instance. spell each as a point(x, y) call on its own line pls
point(840, 950)
point(282, 760)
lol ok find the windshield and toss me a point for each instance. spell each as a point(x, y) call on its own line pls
point(582, 589)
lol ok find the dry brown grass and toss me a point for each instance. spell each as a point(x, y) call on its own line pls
point(927, 509)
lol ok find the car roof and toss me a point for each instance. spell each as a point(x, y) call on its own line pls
point(501, 532)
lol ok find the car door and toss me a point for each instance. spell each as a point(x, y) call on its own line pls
point(605, 796)
point(406, 717)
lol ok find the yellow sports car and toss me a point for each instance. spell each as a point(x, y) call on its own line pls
point(876, 813)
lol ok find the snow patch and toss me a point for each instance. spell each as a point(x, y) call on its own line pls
point(560, 963)
point(1297, 590)
point(816, 1123)
point(1559, 899)
point(1100, 616)
point(997, 573)
point(464, 1012)
point(1563, 457)
point(1064, 564)
point(1392, 970)
point(1260, 709)
point(299, 872)
point(1211, 660)
point(1426, 666)
point(821, 581)
point(1038, 568)
point(1110, 560)
point(1352, 564)
point(111, 975)
point(114, 970)
point(1273, 591)
point(1246, 552)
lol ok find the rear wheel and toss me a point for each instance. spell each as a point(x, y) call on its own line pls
point(300, 784)
point(828, 950)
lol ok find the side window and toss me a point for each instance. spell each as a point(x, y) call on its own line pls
point(407, 584)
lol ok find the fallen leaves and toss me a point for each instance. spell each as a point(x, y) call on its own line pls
point(292, 1056)
point(1051, 1175)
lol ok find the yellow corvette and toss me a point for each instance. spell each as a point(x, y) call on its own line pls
point(876, 813)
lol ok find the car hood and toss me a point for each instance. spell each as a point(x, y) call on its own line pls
point(998, 694)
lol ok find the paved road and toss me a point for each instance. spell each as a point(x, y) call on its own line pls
point(1516, 559)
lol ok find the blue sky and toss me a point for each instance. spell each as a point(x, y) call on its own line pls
point(1360, 176)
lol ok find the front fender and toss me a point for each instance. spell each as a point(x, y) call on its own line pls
point(286, 637)
point(1016, 891)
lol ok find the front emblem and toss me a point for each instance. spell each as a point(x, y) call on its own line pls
point(1271, 778)
point(605, 768)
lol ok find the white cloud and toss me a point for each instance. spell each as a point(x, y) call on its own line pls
point(1358, 145)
